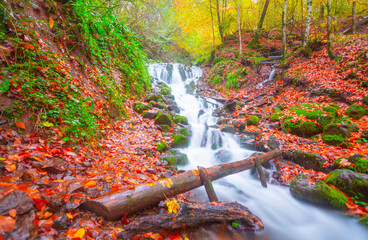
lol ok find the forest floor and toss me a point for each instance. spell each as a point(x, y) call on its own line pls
point(43, 179)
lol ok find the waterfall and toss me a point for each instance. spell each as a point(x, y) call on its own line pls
point(283, 216)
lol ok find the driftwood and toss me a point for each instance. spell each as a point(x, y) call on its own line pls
point(203, 173)
point(193, 215)
point(113, 206)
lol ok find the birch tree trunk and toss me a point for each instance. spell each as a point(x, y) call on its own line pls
point(329, 43)
point(354, 18)
point(284, 34)
point(255, 40)
point(306, 49)
point(239, 26)
point(219, 20)
point(213, 26)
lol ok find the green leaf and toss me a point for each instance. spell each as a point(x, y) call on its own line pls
point(4, 85)
point(235, 224)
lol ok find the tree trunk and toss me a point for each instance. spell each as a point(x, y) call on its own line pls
point(113, 206)
point(354, 25)
point(239, 27)
point(284, 34)
point(306, 49)
point(194, 215)
point(213, 27)
point(329, 42)
point(255, 40)
point(219, 21)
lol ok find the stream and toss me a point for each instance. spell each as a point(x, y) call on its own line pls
point(283, 216)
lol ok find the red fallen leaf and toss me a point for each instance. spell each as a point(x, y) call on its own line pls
point(7, 224)
point(40, 203)
point(125, 221)
point(217, 204)
point(20, 125)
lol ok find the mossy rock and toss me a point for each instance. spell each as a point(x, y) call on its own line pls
point(181, 119)
point(337, 129)
point(190, 88)
point(356, 111)
point(140, 107)
point(150, 114)
point(309, 161)
point(184, 131)
point(364, 84)
point(163, 119)
point(162, 146)
point(351, 183)
point(175, 158)
point(276, 116)
point(165, 128)
point(180, 141)
point(361, 165)
point(229, 129)
point(319, 194)
point(364, 221)
point(153, 97)
point(302, 128)
point(365, 100)
point(159, 104)
point(353, 127)
point(253, 120)
point(165, 91)
point(334, 140)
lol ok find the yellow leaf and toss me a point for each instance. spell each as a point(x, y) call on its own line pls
point(2, 159)
point(166, 182)
point(172, 206)
point(70, 216)
point(10, 168)
point(47, 124)
point(80, 233)
point(51, 22)
point(90, 184)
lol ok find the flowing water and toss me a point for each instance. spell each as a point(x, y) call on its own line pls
point(283, 216)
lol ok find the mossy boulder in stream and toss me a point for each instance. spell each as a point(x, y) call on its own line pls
point(253, 120)
point(319, 194)
point(140, 107)
point(175, 158)
point(309, 161)
point(336, 134)
point(360, 164)
point(181, 119)
point(180, 141)
point(163, 119)
point(364, 221)
point(356, 111)
point(351, 183)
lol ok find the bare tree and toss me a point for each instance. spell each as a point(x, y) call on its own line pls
point(239, 27)
point(306, 49)
point(354, 18)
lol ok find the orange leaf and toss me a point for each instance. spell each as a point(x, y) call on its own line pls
point(80, 233)
point(20, 125)
point(7, 224)
point(12, 213)
point(51, 22)
point(10, 168)
point(90, 184)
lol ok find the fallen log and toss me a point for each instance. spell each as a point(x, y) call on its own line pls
point(113, 206)
point(193, 215)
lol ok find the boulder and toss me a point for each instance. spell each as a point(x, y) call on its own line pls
point(140, 107)
point(174, 158)
point(253, 120)
point(308, 160)
point(351, 183)
point(269, 143)
point(163, 119)
point(319, 194)
point(150, 114)
point(190, 88)
point(180, 141)
point(336, 134)
point(17, 200)
point(249, 142)
point(223, 156)
point(153, 97)
point(181, 119)
point(356, 111)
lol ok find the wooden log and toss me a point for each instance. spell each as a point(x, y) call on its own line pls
point(113, 206)
point(193, 215)
point(260, 173)
point(207, 184)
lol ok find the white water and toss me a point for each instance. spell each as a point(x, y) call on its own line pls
point(284, 217)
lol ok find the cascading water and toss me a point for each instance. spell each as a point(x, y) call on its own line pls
point(283, 216)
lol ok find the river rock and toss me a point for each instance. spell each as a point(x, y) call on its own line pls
point(319, 194)
point(308, 161)
point(153, 97)
point(163, 119)
point(140, 107)
point(223, 156)
point(17, 200)
point(269, 143)
point(24, 228)
point(190, 88)
point(352, 183)
point(356, 111)
point(249, 142)
point(55, 165)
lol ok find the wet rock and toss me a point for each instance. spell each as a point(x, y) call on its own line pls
point(221, 120)
point(150, 114)
point(239, 126)
point(308, 161)
point(17, 200)
point(153, 97)
point(219, 112)
point(180, 141)
point(93, 192)
point(165, 128)
point(352, 183)
point(229, 129)
point(32, 174)
point(174, 158)
point(153, 171)
point(56, 204)
point(364, 134)
point(174, 108)
point(86, 164)
point(44, 182)
point(74, 202)
point(24, 228)
point(223, 156)
point(140, 107)
point(269, 143)
point(190, 88)
point(319, 194)
point(230, 106)
point(249, 142)
point(181, 119)
point(167, 174)
point(74, 187)
point(181, 159)
point(253, 120)
point(61, 221)
point(335, 134)
point(159, 104)
point(364, 221)
point(55, 165)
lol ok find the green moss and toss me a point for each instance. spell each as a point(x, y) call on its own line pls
point(253, 120)
point(180, 119)
point(163, 119)
point(365, 84)
point(165, 91)
point(334, 140)
point(162, 146)
point(165, 128)
point(276, 116)
point(302, 129)
point(331, 109)
point(361, 165)
point(180, 141)
point(140, 107)
point(184, 131)
point(276, 110)
point(218, 59)
point(356, 111)
point(364, 221)
point(365, 100)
